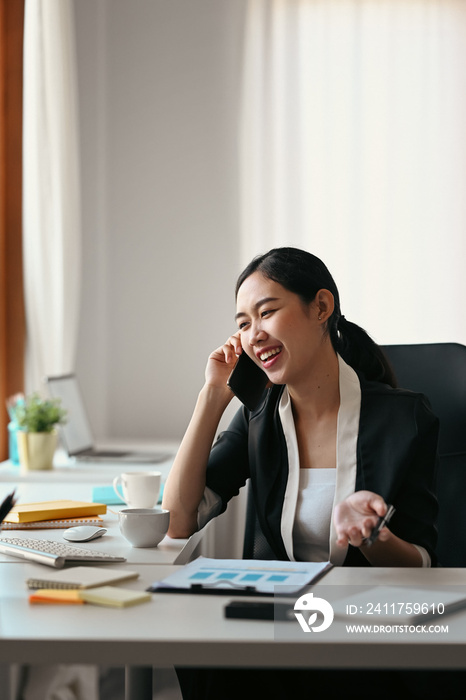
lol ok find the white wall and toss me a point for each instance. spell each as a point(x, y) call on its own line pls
point(159, 103)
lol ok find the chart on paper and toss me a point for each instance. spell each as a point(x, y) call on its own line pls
point(231, 574)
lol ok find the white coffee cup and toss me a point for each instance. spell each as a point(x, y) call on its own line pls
point(140, 489)
point(144, 527)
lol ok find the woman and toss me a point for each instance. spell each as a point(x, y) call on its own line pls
point(332, 441)
point(329, 397)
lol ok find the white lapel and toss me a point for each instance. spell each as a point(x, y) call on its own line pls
point(347, 437)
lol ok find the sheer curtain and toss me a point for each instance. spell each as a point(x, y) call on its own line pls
point(353, 146)
point(51, 195)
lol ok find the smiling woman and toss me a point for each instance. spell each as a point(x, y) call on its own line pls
point(305, 276)
point(332, 441)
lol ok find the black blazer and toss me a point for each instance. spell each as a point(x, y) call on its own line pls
point(396, 457)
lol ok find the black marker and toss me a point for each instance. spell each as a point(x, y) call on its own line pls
point(7, 505)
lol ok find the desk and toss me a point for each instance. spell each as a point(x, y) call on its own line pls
point(191, 630)
point(75, 480)
point(169, 551)
point(66, 470)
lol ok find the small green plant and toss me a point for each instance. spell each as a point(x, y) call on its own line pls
point(37, 415)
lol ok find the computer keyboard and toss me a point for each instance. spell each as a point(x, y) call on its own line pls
point(52, 553)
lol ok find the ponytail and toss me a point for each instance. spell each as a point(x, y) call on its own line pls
point(359, 351)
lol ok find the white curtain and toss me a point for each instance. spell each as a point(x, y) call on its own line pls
point(353, 146)
point(51, 192)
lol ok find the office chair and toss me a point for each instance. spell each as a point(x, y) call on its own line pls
point(438, 370)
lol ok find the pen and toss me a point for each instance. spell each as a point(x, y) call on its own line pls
point(7, 505)
point(383, 520)
point(448, 609)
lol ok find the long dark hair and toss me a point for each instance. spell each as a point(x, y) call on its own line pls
point(304, 274)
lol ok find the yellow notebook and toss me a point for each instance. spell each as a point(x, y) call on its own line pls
point(51, 510)
point(114, 597)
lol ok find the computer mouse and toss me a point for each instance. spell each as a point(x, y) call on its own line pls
point(83, 533)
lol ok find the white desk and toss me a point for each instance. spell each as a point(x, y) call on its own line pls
point(192, 631)
point(168, 551)
point(85, 471)
point(76, 480)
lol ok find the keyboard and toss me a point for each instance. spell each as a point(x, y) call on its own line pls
point(52, 553)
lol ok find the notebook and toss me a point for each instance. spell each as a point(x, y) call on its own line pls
point(76, 433)
point(81, 577)
point(54, 524)
point(49, 510)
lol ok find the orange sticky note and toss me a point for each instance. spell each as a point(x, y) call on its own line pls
point(69, 596)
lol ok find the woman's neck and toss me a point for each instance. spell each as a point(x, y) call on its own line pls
point(318, 393)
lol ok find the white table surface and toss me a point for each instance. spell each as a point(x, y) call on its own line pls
point(188, 629)
point(66, 487)
point(84, 471)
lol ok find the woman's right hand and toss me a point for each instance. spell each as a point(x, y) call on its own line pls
point(222, 360)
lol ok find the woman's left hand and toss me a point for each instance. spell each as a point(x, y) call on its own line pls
point(357, 515)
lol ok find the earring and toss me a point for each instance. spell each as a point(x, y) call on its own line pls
point(320, 318)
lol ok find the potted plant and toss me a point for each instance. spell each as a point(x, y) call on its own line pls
point(37, 419)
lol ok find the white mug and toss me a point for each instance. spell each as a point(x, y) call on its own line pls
point(140, 489)
point(144, 527)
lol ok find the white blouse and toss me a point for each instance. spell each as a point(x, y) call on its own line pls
point(311, 529)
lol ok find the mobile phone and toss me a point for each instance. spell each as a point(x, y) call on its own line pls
point(258, 610)
point(247, 381)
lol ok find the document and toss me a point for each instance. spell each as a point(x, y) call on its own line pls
point(204, 575)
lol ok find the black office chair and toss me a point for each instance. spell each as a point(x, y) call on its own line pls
point(438, 370)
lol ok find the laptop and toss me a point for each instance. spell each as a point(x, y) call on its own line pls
point(76, 433)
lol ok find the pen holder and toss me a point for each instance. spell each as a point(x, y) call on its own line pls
point(13, 453)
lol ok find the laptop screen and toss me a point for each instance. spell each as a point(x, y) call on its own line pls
point(76, 432)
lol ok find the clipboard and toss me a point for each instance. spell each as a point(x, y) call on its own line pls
point(240, 577)
point(199, 589)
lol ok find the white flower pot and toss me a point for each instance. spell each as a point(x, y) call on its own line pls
point(36, 450)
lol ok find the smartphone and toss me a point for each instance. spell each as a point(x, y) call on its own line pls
point(247, 381)
point(258, 610)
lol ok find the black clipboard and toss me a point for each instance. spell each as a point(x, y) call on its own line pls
point(232, 589)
